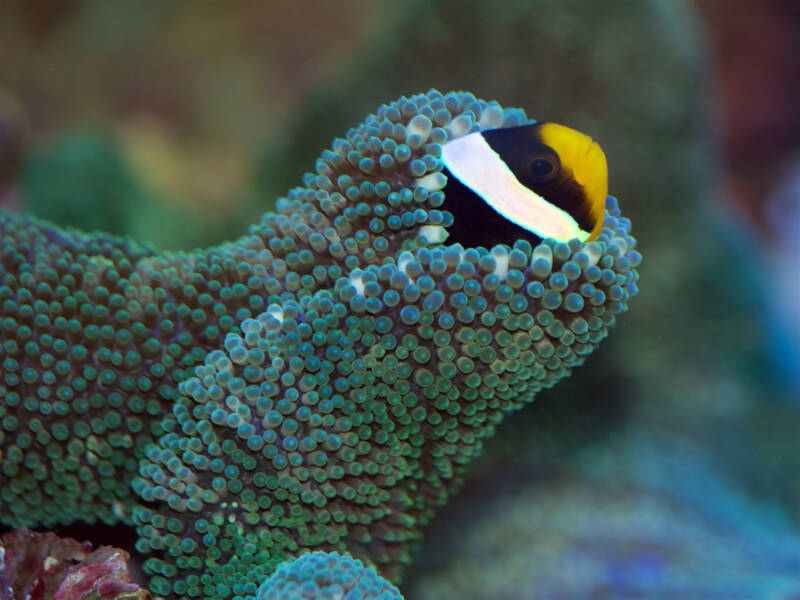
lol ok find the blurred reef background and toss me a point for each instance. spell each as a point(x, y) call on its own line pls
point(668, 465)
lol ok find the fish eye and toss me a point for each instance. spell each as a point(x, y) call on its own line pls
point(542, 168)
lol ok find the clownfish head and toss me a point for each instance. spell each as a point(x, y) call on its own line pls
point(535, 181)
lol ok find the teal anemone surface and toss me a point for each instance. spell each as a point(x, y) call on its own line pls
point(326, 576)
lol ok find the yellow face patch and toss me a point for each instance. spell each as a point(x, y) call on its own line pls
point(585, 160)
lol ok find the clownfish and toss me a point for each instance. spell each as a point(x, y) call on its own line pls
point(535, 181)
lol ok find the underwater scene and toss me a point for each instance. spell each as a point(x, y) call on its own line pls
point(418, 300)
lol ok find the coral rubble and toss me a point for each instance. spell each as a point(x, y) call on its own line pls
point(47, 567)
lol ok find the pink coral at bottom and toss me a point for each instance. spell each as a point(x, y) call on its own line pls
point(43, 566)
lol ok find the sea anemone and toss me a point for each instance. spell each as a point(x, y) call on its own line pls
point(326, 576)
point(317, 384)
